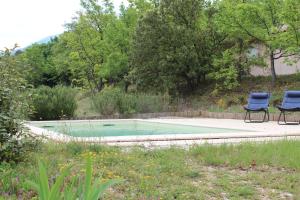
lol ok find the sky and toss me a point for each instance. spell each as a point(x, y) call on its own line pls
point(27, 21)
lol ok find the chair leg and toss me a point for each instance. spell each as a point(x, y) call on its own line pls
point(245, 119)
point(268, 115)
point(265, 115)
point(249, 113)
point(283, 113)
point(279, 118)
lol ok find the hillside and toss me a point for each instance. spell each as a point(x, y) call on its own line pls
point(205, 98)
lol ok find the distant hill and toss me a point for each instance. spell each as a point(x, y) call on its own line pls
point(45, 40)
point(42, 41)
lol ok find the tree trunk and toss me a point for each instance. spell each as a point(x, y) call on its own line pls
point(273, 72)
point(239, 64)
point(127, 84)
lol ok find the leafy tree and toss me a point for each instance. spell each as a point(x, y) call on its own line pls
point(145, 59)
point(100, 42)
point(41, 64)
point(87, 50)
point(225, 72)
point(174, 46)
point(291, 18)
point(263, 21)
point(14, 108)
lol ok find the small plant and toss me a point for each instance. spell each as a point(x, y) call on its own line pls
point(70, 189)
point(222, 103)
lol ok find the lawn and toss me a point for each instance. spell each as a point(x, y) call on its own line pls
point(247, 171)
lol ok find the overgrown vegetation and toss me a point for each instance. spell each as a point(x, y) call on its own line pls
point(151, 53)
point(115, 101)
point(77, 188)
point(156, 47)
point(152, 56)
point(206, 98)
point(54, 103)
point(15, 140)
point(245, 171)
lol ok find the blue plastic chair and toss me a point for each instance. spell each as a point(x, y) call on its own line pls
point(290, 103)
point(257, 102)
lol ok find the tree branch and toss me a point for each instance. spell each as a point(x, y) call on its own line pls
point(284, 55)
point(263, 21)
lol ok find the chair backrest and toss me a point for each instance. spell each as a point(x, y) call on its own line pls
point(258, 100)
point(291, 99)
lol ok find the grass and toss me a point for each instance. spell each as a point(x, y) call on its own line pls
point(84, 108)
point(246, 171)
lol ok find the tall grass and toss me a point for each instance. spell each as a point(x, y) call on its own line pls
point(173, 173)
point(284, 153)
point(54, 103)
point(114, 101)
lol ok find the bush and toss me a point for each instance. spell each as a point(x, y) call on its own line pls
point(144, 103)
point(107, 102)
point(228, 101)
point(226, 74)
point(113, 100)
point(15, 140)
point(54, 103)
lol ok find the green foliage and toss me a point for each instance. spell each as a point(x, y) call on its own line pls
point(42, 64)
point(268, 22)
point(107, 102)
point(14, 108)
point(225, 74)
point(113, 101)
point(175, 170)
point(54, 103)
point(157, 47)
point(75, 187)
point(173, 47)
point(290, 38)
point(229, 101)
point(144, 103)
point(99, 43)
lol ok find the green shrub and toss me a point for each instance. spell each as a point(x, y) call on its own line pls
point(107, 102)
point(225, 74)
point(128, 104)
point(146, 103)
point(54, 103)
point(15, 140)
point(228, 101)
point(113, 100)
point(143, 103)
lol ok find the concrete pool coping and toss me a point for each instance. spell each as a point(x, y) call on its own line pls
point(249, 132)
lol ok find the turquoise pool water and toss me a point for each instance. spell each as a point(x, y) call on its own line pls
point(125, 128)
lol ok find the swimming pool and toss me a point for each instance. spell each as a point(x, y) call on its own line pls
point(113, 128)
